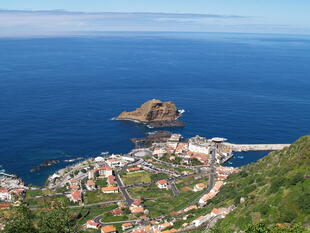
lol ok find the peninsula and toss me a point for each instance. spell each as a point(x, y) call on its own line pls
point(155, 113)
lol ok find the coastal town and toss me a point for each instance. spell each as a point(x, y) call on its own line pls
point(163, 185)
point(158, 188)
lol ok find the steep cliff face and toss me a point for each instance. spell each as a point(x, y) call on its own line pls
point(152, 111)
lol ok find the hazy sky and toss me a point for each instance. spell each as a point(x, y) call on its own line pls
point(48, 17)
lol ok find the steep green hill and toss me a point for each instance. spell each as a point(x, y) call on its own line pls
point(274, 190)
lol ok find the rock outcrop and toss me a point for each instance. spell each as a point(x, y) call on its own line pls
point(155, 112)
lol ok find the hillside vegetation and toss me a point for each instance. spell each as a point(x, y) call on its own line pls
point(274, 190)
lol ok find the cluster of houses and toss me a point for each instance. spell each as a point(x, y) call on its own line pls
point(154, 227)
point(105, 172)
point(8, 196)
point(224, 172)
point(91, 224)
point(214, 191)
point(12, 191)
point(215, 214)
point(196, 147)
point(76, 193)
point(187, 209)
point(135, 208)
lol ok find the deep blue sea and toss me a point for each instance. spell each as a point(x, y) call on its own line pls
point(58, 95)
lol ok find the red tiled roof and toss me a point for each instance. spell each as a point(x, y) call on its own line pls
point(108, 228)
point(92, 223)
point(109, 189)
point(127, 224)
point(5, 205)
point(137, 210)
point(216, 211)
point(3, 190)
point(117, 211)
point(133, 169)
point(74, 187)
point(76, 195)
point(162, 182)
point(91, 183)
point(108, 168)
point(111, 180)
point(137, 202)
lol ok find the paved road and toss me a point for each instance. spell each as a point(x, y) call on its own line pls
point(181, 166)
point(211, 177)
point(174, 188)
point(123, 190)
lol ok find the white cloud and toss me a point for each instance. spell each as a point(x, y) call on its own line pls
point(27, 23)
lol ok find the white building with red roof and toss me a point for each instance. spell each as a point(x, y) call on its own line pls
point(90, 185)
point(74, 181)
point(127, 226)
point(105, 171)
point(76, 196)
point(199, 187)
point(162, 184)
point(91, 224)
point(111, 180)
point(110, 189)
point(5, 195)
point(108, 229)
point(114, 162)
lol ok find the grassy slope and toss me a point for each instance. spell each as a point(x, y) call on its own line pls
point(276, 190)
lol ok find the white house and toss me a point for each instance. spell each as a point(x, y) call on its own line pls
point(105, 171)
point(90, 185)
point(202, 219)
point(114, 163)
point(162, 184)
point(76, 196)
point(199, 187)
point(5, 195)
point(110, 189)
point(92, 225)
point(127, 226)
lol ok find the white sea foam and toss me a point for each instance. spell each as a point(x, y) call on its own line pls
point(1, 169)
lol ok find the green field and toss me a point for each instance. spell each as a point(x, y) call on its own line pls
point(44, 201)
point(101, 182)
point(98, 196)
point(160, 201)
point(138, 177)
point(190, 182)
point(88, 213)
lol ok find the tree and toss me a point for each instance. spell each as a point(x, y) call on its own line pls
point(57, 220)
point(21, 222)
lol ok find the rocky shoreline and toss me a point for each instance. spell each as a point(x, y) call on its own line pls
point(157, 137)
point(164, 124)
point(45, 164)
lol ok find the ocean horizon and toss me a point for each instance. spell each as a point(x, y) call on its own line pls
point(59, 94)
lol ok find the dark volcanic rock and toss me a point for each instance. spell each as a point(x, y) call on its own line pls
point(159, 136)
point(45, 164)
point(163, 124)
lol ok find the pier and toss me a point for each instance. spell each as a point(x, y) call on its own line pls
point(255, 147)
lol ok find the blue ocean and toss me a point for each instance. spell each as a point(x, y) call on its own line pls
point(58, 95)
